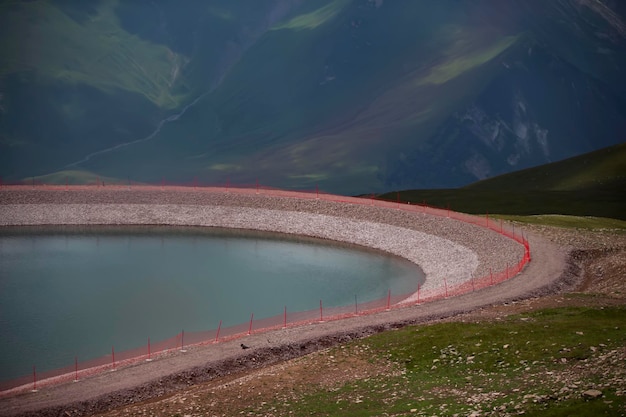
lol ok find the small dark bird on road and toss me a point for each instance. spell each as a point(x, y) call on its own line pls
point(244, 346)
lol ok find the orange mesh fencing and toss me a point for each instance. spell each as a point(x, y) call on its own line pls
point(152, 350)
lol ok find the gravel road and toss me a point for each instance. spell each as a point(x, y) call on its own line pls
point(441, 246)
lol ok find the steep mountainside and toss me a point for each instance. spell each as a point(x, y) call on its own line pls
point(80, 77)
point(351, 95)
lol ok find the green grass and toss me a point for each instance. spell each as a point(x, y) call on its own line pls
point(457, 368)
point(520, 202)
point(461, 61)
point(40, 37)
point(578, 222)
point(313, 19)
point(604, 169)
point(590, 185)
point(350, 103)
point(402, 111)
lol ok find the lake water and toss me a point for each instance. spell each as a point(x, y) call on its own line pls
point(67, 292)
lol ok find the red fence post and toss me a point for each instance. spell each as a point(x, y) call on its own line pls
point(182, 341)
point(250, 326)
point(321, 312)
point(219, 327)
point(75, 368)
point(113, 356)
point(149, 357)
point(418, 293)
point(34, 380)
point(356, 306)
point(389, 299)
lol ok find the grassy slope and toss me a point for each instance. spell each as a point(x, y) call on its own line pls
point(236, 119)
point(536, 363)
point(588, 185)
point(300, 95)
point(71, 68)
point(404, 113)
point(347, 98)
point(98, 74)
point(307, 117)
point(499, 368)
point(578, 222)
point(360, 121)
point(40, 37)
point(460, 368)
point(603, 169)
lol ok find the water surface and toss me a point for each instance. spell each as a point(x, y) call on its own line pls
point(67, 292)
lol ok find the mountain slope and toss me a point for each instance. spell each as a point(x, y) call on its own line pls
point(592, 184)
point(350, 95)
point(602, 170)
point(80, 77)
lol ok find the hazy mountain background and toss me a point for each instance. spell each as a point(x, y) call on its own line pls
point(354, 96)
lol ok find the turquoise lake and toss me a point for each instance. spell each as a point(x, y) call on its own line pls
point(67, 292)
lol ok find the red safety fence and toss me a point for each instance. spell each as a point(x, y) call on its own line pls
point(152, 350)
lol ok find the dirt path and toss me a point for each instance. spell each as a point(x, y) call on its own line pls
point(548, 272)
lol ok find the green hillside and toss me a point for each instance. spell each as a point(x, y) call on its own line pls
point(40, 37)
point(77, 78)
point(353, 96)
point(324, 112)
point(592, 184)
point(602, 170)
